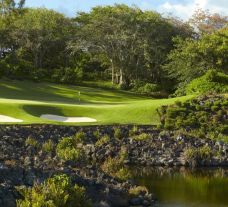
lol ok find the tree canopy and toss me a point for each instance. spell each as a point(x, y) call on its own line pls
point(192, 58)
point(135, 49)
point(135, 42)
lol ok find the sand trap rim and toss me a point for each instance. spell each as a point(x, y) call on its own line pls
point(8, 119)
point(52, 117)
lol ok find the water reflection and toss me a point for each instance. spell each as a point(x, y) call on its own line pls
point(181, 187)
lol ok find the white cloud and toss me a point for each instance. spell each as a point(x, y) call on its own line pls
point(185, 10)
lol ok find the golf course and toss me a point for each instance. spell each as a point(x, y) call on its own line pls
point(27, 101)
point(113, 103)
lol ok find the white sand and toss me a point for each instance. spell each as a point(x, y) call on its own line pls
point(4, 118)
point(66, 119)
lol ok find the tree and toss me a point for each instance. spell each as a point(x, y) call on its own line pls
point(42, 35)
point(8, 7)
point(9, 11)
point(135, 42)
point(192, 58)
point(206, 22)
point(106, 30)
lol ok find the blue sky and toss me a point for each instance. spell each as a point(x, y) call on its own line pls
point(180, 8)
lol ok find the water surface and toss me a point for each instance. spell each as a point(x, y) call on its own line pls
point(181, 187)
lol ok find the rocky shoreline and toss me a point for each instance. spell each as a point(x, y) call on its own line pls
point(22, 164)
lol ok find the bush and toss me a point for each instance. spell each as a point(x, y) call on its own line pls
point(214, 108)
point(195, 155)
point(103, 140)
point(15, 68)
point(189, 154)
point(142, 137)
point(202, 115)
point(117, 133)
point(80, 137)
point(212, 81)
point(48, 146)
point(205, 152)
point(133, 131)
point(31, 141)
point(38, 74)
point(169, 123)
point(115, 168)
point(96, 134)
point(67, 150)
point(138, 190)
point(67, 75)
point(58, 191)
point(123, 174)
point(145, 88)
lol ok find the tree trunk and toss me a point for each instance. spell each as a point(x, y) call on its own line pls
point(36, 60)
point(121, 77)
point(113, 75)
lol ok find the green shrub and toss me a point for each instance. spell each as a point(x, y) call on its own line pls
point(212, 81)
point(224, 103)
point(123, 174)
point(117, 133)
point(145, 88)
point(142, 137)
point(190, 154)
point(205, 152)
point(148, 88)
point(96, 134)
point(178, 103)
point(203, 114)
point(115, 168)
point(31, 142)
point(172, 112)
point(199, 107)
point(220, 112)
point(214, 108)
point(133, 131)
point(138, 190)
point(48, 146)
point(67, 75)
point(224, 129)
point(103, 140)
point(194, 155)
point(80, 137)
point(58, 191)
point(67, 150)
point(169, 123)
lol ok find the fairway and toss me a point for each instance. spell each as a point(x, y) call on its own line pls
point(28, 101)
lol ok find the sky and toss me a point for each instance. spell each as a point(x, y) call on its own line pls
point(180, 8)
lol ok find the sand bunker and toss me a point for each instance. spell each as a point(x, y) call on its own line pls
point(66, 119)
point(4, 118)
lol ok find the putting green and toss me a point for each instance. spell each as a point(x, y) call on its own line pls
point(27, 101)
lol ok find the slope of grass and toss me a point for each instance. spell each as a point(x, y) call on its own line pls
point(28, 100)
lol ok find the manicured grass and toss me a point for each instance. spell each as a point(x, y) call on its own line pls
point(28, 100)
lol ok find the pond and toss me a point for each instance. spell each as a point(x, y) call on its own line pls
point(182, 187)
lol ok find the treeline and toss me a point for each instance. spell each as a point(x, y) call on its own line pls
point(139, 50)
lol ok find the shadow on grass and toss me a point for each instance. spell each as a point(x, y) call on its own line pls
point(27, 90)
point(37, 110)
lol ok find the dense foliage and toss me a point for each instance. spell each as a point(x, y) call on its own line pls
point(67, 149)
point(136, 43)
point(114, 166)
point(135, 49)
point(58, 191)
point(204, 116)
point(193, 58)
point(212, 81)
